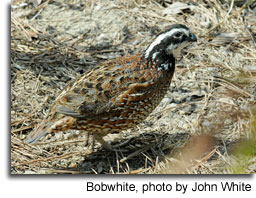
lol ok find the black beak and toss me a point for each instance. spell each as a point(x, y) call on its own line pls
point(192, 38)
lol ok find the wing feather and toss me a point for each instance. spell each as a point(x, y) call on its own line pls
point(96, 93)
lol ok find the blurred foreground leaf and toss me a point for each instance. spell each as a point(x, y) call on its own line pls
point(245, 151)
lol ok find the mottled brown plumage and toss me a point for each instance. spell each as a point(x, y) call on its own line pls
point(117, 95)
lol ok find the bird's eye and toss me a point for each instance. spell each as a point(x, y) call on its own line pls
point(177, 35)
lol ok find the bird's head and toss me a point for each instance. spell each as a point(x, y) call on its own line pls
point(170, 42)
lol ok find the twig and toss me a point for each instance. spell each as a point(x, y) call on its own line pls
point(228, 17)
point(53, 158)
point(21, 129)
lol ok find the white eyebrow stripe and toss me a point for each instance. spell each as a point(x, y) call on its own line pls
point(158, 40)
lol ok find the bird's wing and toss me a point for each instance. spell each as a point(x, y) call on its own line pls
point(97, 92)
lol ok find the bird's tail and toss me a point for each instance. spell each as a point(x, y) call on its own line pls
point(53, 123)
point(38, 132)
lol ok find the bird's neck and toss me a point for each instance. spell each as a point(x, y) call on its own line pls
point(160, 59)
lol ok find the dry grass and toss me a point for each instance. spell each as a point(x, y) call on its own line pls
point(207, 113)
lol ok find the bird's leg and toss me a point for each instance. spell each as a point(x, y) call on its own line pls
point(89, 141)
point(104, 144)
point(108, 146)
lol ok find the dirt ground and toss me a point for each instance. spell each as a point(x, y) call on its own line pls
point(206, 123)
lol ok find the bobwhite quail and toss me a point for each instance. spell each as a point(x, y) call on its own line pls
point(119, 94)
